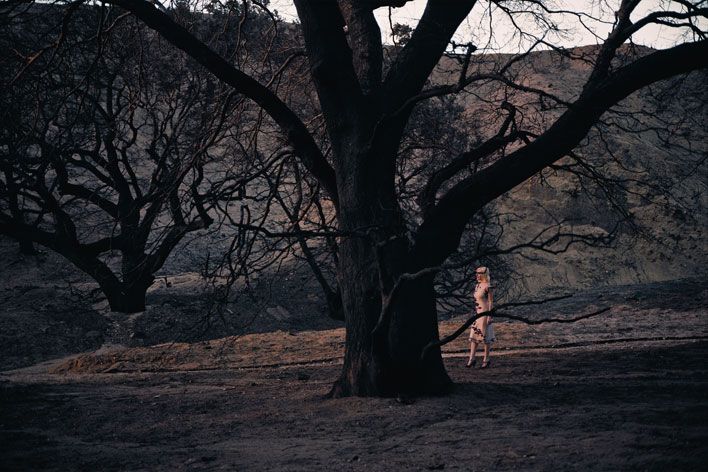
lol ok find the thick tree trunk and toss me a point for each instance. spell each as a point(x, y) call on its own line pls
point(127, 297)
point(414, 324)
point(387, 362)
point(382, 359)
point(364, 372)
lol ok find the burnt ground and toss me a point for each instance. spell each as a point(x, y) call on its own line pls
point(639, 405)
point(624, 390)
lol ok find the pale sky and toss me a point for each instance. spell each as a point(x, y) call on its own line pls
point(476, 26)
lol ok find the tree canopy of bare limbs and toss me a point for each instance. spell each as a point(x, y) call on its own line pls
point(109, 145)
point(368, 95)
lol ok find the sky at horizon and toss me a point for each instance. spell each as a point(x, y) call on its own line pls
point(475, 28)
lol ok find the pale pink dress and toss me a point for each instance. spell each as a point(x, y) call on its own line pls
point(481, 304)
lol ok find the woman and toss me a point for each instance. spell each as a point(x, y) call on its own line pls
point(482, 330)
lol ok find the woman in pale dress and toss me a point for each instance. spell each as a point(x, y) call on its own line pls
point(482, 330)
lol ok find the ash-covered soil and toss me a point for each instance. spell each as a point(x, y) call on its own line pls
point(623, 390)
point(171, 389)
point(621, 406)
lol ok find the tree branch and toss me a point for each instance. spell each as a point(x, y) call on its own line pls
point(365, 39)
point(331, 63)
point(443, 227)
point(497, 314)
point(414, 63)
point(296, 132)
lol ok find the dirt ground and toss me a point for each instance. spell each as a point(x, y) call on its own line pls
point(607, 393)
point(624, 390)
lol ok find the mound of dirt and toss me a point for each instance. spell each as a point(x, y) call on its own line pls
point(632, 315)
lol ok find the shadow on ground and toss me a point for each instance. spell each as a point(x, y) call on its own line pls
point(634, 406)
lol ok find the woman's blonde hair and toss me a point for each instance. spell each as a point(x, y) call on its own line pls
point(484, 272)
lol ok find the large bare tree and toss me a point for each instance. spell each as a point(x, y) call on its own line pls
point(367, 93)
point(104, 146)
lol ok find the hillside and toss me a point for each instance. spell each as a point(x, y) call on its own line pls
point(662, 187)
point(50, 308)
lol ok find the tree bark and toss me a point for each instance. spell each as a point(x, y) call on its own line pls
point(383, 353)
point(124, 296)
point(386, 361)
point(127, 297)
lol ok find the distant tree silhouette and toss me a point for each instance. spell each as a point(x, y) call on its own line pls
point(104, 149)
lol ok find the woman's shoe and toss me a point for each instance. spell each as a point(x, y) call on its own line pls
point(471, 363)
point(486, 364)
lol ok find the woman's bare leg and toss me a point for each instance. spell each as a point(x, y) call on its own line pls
point(473, 351)
point(485, 360)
